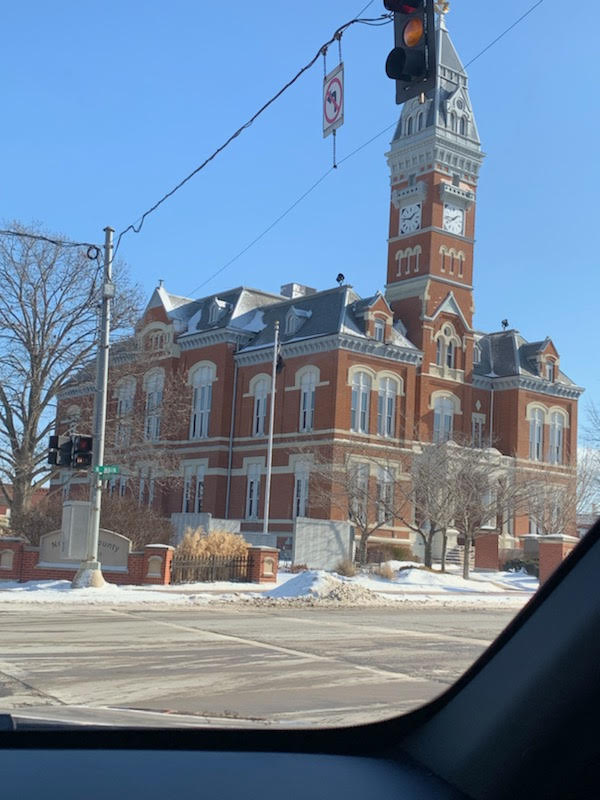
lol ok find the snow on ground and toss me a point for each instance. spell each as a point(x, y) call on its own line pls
point(311, 587)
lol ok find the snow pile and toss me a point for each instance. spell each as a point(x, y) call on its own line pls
point(317, 586)
point(442, 581)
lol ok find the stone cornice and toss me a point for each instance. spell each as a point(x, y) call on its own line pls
point(190, 341)
point(335, 342)
point(529, 383)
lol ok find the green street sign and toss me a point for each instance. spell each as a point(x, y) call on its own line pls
point(107, 469)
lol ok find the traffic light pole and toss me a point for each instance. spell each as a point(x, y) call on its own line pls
point(90, 573)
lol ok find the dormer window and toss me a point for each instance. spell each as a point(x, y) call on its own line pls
point(379, 330)
point(476, 354)
point(550, 370)
point(295, 318)
point(216, 310)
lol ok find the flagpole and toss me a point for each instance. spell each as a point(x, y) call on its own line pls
point(271, 423)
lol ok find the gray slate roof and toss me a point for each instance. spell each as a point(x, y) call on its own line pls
point(507, 353)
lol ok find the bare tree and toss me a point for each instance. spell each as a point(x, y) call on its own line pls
point(554, 498)
point(48, 323)
point(483, 486)
point(360, 483)
point(428, 507)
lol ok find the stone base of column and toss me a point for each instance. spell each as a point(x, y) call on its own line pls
point(89, 576)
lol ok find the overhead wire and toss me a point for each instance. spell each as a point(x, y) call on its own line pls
point(137, 226)
point(39, 237)
point(345, 158)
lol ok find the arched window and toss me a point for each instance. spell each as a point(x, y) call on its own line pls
point(308, 384)
point(202, 379)
point(443, 253)
point(386, 406)
point(453, 122)
point(443, 419)
point(550, 371)
point(461, 261)
point(261, 391)
point(125, 395)
point(557, 425)
point(409, 126)
point(439, 352)
point(379, 330)
point(536, 434)
point(476, 354)
point(153, 386)
point(452, 254)
point(359, 412)
point(450, 355)
point(420, 121)
point(463, 126)
point(417, 255)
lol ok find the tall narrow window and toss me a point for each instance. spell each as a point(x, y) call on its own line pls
point(557, 425)
point(260, 407)
point(450, 355)
point(301, 477)
point(443, 419)
point(476, 354)
point(124, 412)
point(361, 391)
point(385, 495)
point(420, 121)
point(536, 435)
point(202, 381)
point(409, 126)
point(193, 488)
point(253, 491)
point(153, 383)
point(386, 406)
point(453, 122)
point(550, 370)
point(439, 352)
point(308, 384)
point(478, 421)
point(463, 126)
point(379, 330)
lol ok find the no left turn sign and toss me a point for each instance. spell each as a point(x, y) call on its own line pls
point(333, 100)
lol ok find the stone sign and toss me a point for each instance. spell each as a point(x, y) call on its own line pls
point(113, 549)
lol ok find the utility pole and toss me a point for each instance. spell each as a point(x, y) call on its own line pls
point(271, 422)
point(90, 572)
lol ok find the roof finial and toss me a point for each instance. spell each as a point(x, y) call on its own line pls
point(442, 7)
point(160, 283)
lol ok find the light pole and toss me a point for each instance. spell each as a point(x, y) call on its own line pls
point(271, 423)
point(90, 572)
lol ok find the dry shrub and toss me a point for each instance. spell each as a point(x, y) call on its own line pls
point(385, 571)
point(199, 544)
point(346, 568)
point(298, 568)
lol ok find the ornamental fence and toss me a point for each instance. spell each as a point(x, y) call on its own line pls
point(211, 568)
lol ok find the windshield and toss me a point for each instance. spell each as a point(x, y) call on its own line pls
point(290, 406)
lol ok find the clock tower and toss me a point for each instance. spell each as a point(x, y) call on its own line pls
point(434, 162)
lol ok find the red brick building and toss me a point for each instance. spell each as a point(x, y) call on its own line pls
point(401, 365)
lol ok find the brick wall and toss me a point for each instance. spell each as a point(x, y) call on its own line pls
point(151, 566)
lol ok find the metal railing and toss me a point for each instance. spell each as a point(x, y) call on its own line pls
point(211, 568)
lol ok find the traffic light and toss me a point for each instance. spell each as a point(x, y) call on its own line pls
point(412, 61)
point(82, 452)
point(53, 450)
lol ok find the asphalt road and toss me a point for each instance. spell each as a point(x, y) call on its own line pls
point(276, 666)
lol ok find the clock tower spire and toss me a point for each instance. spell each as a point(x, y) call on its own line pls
point(434, 161)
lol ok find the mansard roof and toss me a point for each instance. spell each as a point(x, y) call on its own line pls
point(507, 354)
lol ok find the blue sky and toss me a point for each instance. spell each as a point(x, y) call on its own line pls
point(108, 105)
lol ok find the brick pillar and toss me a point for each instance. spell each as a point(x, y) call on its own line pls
point(262, 564)
point(486, 551)
point(157, 564)
point(553, 550)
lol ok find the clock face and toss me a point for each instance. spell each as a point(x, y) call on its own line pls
point(410, 218)
point(454, 219)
